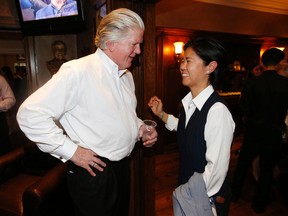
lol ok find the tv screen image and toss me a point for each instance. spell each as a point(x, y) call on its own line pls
point(38, 17)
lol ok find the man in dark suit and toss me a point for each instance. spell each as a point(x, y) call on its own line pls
point(264, 101)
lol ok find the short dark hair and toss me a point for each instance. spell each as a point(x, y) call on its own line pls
point(210, 49)
point(272, 57)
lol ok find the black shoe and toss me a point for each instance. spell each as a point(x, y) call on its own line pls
point(259, 207)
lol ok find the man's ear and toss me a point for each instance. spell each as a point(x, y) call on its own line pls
point(110, 45)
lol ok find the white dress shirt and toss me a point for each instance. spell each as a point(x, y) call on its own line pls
point(218, 135)
point(95, 105)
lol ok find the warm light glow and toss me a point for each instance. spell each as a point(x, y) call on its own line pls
point(280, 48)
point(237, 65)
point(178, 47)
point(262, 50)
point(266, 47)
point(167, 50)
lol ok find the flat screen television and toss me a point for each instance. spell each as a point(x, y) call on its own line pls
point(41, 17)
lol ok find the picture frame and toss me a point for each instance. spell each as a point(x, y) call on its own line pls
point(42, 46)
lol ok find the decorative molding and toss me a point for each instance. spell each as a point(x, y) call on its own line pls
point(269, 6)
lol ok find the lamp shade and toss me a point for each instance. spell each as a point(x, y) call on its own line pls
point(178, 47)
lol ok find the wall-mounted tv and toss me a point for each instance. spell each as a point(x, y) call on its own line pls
point(44, 17)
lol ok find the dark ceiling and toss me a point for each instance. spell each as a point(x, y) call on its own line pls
point(9, 22)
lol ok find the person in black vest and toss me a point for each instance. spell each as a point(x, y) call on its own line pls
point(265, 102)
point(204, 128)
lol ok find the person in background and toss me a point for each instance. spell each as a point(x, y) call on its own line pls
point(205, 131)
point(282, 177)
point(20, 85)
point(94, 100)
point(8, 74)
point(255, 69)
point(11, 113)
point(264, 101)
point(7, 101)
point(30, 7)
point(283, 71)
point(35, 4)
point(57, 8)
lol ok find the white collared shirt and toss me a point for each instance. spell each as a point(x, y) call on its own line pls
point(94, 103)
point(218, 135)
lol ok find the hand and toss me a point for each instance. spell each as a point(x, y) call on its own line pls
point(156, 106)
point(149, 138)
point(86, 159)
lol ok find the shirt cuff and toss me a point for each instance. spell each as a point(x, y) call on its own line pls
point(172, 123)
point(66, 151)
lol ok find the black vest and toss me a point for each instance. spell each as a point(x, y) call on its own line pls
point(192, 145)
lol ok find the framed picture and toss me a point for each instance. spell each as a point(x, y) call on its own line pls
point(51, 52)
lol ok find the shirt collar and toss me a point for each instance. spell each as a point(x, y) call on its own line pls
point(111, 64)
point(122, 72)
point(199, 100)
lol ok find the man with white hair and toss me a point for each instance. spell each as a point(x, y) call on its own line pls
point(94, 100)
